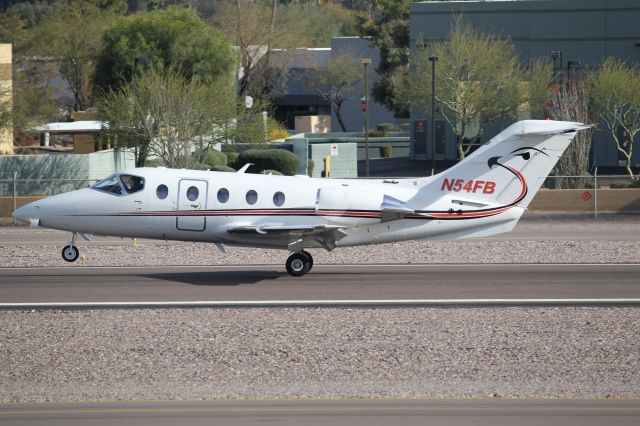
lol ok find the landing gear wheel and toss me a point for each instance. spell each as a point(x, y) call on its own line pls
point(298, 264)
point(70, 253)
point(306, 253)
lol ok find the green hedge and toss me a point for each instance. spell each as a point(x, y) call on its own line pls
point(232, 157)
point(310, 165)
point(385, 151)
point(269, 159)
point(222, 169)
point(215, 158)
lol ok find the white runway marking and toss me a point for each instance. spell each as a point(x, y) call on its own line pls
point(320, 265)
point(326, 303)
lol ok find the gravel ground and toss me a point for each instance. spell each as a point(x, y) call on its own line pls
point(464, 251)
point(326, 353)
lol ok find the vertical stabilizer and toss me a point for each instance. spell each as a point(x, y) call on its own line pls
point(509, 169)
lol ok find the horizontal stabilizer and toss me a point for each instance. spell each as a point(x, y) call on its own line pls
point(393, 209)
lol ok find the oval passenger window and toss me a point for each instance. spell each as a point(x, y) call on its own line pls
point(223, 195)
point(252, 197)
point(278, 198)
point(162, 191)
point(192, 193)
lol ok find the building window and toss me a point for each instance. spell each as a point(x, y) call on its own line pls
point(252, 197)
point(162, 191)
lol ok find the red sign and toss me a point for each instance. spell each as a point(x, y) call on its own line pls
point(586, 196)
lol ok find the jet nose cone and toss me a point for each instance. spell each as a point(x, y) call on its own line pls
point(23, 214)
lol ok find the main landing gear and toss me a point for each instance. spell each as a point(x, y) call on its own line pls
point(299, 263)
point(70, 252)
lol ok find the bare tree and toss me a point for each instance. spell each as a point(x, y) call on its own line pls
point(335, 80)
point(571, 103)
point(251, 27)
point(163, 114)
point(615, 96)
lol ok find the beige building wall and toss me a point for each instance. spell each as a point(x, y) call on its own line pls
point(6, 84)
point(313, 124)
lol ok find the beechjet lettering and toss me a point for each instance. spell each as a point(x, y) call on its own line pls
point(485, 194)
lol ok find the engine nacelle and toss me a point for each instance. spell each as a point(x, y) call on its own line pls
point(347, 200)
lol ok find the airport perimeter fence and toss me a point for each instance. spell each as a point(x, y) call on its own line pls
point(583, 191)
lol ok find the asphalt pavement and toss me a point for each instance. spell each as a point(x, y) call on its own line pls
point(322, 412)
point(324, 282)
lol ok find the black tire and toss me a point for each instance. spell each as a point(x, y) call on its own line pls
point(297, 264)
point(306, 253)
point(70, 253)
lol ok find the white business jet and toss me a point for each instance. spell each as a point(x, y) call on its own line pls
point(483, 195)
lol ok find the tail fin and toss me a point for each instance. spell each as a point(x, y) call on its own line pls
point(509, 169)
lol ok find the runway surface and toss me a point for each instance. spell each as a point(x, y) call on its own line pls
point(324, 282)
point(323, 412)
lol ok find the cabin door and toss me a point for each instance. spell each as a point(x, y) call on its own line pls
point(192, 201)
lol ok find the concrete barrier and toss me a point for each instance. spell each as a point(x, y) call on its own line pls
point(584, 200)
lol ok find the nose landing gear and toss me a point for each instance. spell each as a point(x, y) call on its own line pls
point(299, 263)
point(70, 252)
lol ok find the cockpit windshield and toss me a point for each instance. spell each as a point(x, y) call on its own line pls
point(109, 184)
point(120, 185)
point(132, 183)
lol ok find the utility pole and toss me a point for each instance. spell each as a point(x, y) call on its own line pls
point(365, 107)
point(433, 60)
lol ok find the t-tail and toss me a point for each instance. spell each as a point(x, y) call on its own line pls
point(504, 173)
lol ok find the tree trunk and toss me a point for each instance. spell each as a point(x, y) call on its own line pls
point(143, 152)
point(336, 109)
point(461, 153)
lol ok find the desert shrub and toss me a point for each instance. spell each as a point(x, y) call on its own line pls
point(222, 169)
point(215, 158)
point(270, 159)
point(310, 165)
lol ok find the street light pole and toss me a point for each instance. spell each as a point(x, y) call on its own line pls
point(557, 55)
point(366, 62)
point(433, 60)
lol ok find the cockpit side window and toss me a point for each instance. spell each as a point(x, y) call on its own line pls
point(109, 184)
point(132, 183)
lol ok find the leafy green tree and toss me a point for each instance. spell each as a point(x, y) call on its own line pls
point(5, 108)
point(478, 80)
point(72, 34)
point(164, 114)
point(614, 90)
point(388, 26)
point(33, 102)
point(173, 38)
